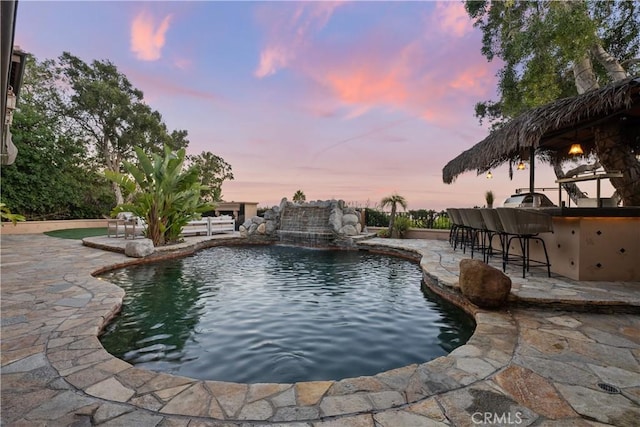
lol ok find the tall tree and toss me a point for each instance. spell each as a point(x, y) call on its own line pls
point(51, 178)
point(107, 111)
point(213, 171)
point(394, 200)
point(553, 49)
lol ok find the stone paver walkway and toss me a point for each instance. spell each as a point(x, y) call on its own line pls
point(526, 366)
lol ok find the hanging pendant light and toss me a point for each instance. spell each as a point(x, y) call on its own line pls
point(576, 149)
point(489, 175)
point(520, 166)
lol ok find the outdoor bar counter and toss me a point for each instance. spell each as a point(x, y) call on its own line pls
point(593, 243)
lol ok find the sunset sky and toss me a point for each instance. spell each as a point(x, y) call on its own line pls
point(347, 100)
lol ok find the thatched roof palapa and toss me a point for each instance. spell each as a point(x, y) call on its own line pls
point(551, 128)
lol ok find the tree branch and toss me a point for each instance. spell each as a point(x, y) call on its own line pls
point(611, 64)
point(630, 61)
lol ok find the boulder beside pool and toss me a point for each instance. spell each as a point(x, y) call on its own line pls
point(484, 285)
point(139, 248)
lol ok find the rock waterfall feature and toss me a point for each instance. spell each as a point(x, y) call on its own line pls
point(319, 223)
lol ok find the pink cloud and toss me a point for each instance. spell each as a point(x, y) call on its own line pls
point(147, 40)
point(452, 18)
point(473, 80)
point(398, 81)
point(272, 58)
point(155, 86)
point(401, 73)
point(366, 85)
point(288, 33)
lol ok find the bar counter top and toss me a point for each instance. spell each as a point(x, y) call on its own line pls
point(622, 212)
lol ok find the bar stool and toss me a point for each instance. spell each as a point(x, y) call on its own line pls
point(525, 225)
point(457, 228)
point(453, 228)
point(478, 231)
point(467, 229)
point(494, 228)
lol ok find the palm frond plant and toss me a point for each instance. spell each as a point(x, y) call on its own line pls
point(394, 200)
point(164, 195)
point(6, 215)
point(299, 197)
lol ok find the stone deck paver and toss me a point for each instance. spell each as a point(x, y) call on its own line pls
point(528, 365)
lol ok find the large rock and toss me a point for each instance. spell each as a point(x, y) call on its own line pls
point(139, 248)
point(350, 219)
point(261, 228)
point(257, 220)
point(349, 230)
point(483, 285)
point(270, 227)
point(335, 220)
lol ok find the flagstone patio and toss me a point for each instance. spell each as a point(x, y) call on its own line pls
point(566, 353)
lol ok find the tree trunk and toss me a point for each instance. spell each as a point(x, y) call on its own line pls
point(571, 188)
point(118, 193)
point(584, 76)
point(611, 64)
point(112, 163)
point(615, 154)
point(392, 218)
point(153, 227)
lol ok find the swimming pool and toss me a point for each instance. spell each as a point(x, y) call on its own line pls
point(282, 314)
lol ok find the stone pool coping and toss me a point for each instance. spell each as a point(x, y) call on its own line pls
point(54, 320)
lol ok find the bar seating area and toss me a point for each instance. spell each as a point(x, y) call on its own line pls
point(476, 228)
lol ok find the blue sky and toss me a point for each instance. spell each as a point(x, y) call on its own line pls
point(347, 100)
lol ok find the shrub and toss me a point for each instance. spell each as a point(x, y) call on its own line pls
point(421, 218)
point(383, 233)
point(401, 225)
point(376, 218)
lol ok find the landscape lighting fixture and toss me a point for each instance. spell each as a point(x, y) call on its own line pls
point(489, 175)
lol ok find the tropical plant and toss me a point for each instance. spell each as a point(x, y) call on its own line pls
point(394, 200)
point(164, 195)
point(6, 215)
point(299, 197)
point(401, 225)
point(555, 49)
point(488, 197)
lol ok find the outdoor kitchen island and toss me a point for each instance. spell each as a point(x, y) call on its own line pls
point(592, 243)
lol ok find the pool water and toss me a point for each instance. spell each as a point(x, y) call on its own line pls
point(280, 314)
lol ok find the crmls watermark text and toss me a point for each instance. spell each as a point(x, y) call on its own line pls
point(494, 418)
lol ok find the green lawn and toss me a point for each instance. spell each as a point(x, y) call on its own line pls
point(77, 233)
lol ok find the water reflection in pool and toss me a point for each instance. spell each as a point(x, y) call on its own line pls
point(280, 314)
